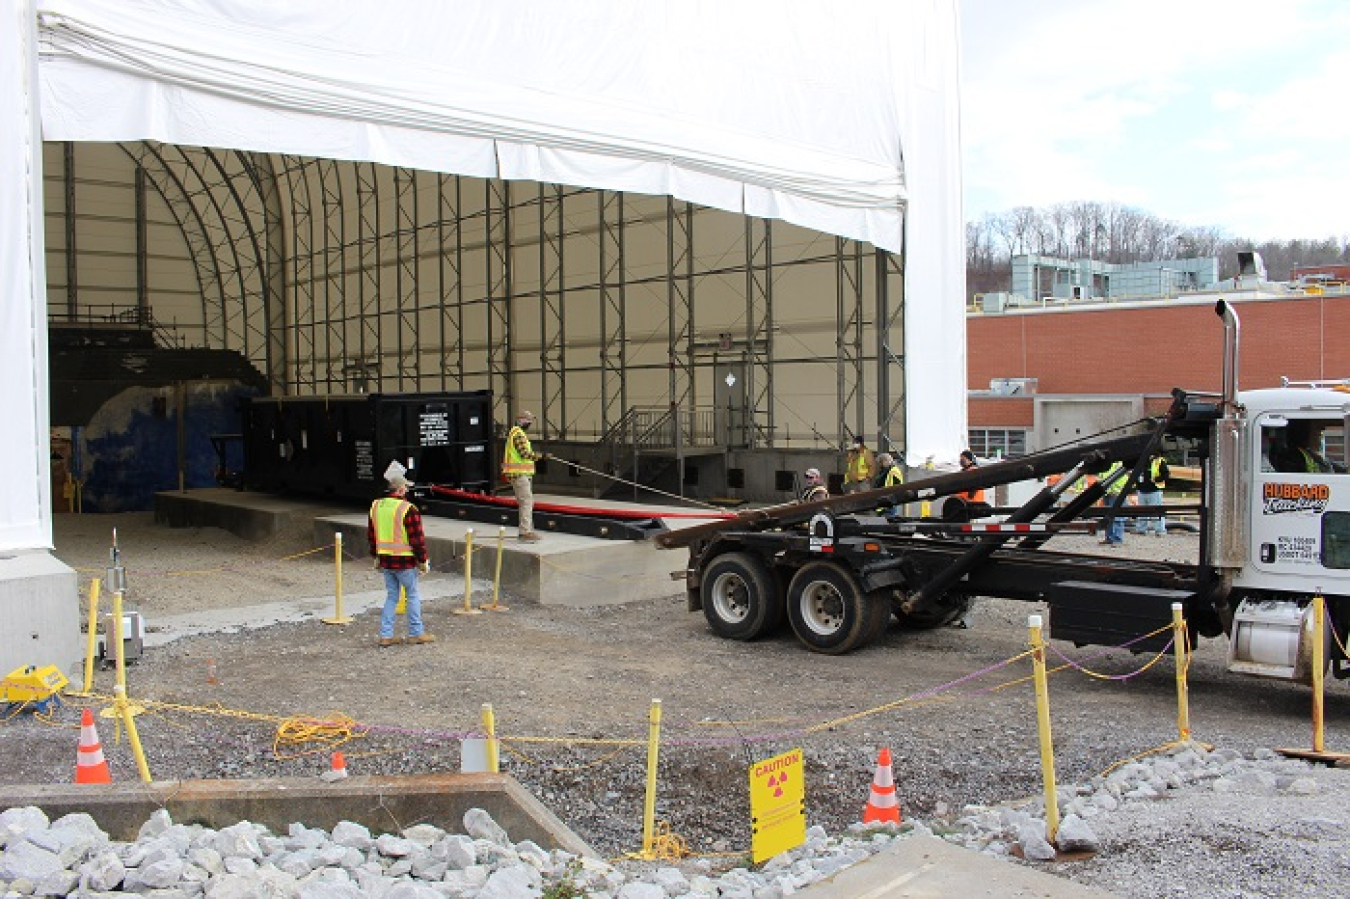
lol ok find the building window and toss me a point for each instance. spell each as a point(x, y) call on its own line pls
point(1000, 443)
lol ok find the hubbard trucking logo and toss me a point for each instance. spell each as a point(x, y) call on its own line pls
point(1279, 498)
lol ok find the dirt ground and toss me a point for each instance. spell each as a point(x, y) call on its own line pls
point(572, 689)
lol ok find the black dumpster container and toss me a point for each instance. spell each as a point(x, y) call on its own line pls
point(341, 445)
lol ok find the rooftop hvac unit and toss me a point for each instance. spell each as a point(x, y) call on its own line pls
point(994, 302)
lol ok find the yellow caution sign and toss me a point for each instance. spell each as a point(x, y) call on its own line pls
point(777, 805)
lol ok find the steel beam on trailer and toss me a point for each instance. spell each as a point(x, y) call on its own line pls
point(552, 312)
point(1097, 457)
point(450, 261)
point(613, 310)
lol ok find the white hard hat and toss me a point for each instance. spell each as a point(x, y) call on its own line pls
point(812, 474)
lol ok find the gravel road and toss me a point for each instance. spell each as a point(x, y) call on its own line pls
point(571, 689)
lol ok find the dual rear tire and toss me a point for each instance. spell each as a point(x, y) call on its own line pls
point(826, 606)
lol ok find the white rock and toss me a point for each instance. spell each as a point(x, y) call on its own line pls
point(1302, 786)
point(513, 882)
point(58, 883)
point(424, 834)
point(641, 891)
point(162, 874)
point(407, 889)
point(1075, 836)
point(158, 822)
point(479, 825)
point(1034, 845)
point(104, 872)
point(391, 846)
point(356, 836)
point(24, 861)
point(14, 822)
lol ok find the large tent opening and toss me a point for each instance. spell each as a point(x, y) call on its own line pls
point(589, 212)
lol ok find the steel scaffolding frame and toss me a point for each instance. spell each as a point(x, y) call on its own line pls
point(849, 324)
point(613, 310)
point(307, 285)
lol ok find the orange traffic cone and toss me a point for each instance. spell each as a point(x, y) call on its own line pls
point(90, 765)
point(882, 806)
point(337, 771)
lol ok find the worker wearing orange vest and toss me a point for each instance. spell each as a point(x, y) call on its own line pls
point(398, 545)
point(968, 463)
point(518, 468)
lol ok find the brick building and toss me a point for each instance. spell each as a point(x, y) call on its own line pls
point(1038, 377)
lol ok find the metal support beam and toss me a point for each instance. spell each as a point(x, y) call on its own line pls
point(450, 280)
point(552, 312)
point(368, 275)
point(613, 311)
point(406, 281)
point(680, 297)
point(890, 328)
point(759, 330)
point(72, 267)
point(500, 340)
point(302, 377)
point(335, 369)
point(849, 337)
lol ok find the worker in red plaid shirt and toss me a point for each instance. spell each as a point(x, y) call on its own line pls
point(399, 547)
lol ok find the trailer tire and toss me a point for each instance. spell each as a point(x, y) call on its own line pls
point(739, 597)
point(879, 615)
point(828, 610)
point(936, 616)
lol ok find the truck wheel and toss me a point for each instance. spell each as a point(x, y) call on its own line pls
point(879, 615)
point(828, 610)
point(738, 597)
point(940, 615)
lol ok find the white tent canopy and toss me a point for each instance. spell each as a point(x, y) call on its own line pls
point(837, 117)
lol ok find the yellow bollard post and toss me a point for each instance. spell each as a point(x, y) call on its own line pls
point(653, 756)
point(1043, 723)
point(468, 608)
point(490, 728)
point(338, 617)
point(120, 668)
point(1182, 655)
point(91, 643)
point(127, 712)
point(1319, 634)
point(497, 576)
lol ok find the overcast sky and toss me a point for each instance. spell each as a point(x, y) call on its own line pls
point(1234, 113)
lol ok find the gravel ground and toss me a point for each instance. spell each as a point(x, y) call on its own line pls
point(567, 684)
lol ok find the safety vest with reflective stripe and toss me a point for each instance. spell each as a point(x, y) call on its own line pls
point(513, 463)
point(391, 536)
point(1155, 471)
point(858, 469)
point(1118, 484)
point(894, 477)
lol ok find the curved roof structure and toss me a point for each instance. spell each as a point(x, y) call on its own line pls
point(842, 119)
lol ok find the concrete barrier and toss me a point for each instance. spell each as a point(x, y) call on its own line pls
point(383, 804)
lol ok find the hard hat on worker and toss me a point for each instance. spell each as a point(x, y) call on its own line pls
point(812, 474)
point(886, 460)
point(399, 482)
point(525, 415)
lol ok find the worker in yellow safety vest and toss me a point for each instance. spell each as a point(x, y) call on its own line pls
point(518, 469)
point(860, 467)
point(888, 475)
point(398, 544)
point(1115, 526)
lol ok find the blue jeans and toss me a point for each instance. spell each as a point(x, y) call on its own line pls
point(1115, 531)
point(407, 579)
point(1141, 525)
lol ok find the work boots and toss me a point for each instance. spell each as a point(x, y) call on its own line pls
point(422, 638)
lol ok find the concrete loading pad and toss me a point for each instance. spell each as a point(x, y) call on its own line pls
point(560, 570)
point(383, 804)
